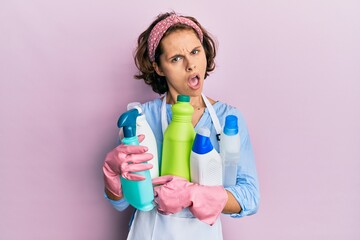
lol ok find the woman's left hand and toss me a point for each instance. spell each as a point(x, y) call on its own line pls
point(176, 193)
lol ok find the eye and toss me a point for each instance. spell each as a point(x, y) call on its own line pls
point(195, 51)
point(176, 59)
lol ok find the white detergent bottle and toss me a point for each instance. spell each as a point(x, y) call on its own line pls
point(205, 161)
point(143, 127)
point(230, 149)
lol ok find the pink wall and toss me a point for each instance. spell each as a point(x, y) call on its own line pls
point(292, 67)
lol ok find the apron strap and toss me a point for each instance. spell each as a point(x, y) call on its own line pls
point(164, 121)
point(213, 116)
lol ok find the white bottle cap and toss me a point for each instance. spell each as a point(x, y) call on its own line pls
point(135, 105)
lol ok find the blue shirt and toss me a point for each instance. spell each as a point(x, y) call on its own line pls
point(246, 190)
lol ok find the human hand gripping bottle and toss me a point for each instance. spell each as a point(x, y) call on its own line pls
point(205, 162)
point(230, 149)
point(143, 127)
point(178, 140)
point(139, 194)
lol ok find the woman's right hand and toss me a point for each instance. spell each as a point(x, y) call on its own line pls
point(125, 161)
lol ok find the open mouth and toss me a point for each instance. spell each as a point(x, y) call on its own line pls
point(194, 81)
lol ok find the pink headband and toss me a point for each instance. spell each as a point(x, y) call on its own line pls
point(161, 27)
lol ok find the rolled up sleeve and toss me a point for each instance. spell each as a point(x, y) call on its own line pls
point(119, 205)
point(246, 190)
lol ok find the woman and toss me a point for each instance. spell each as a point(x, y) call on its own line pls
point(174, 56)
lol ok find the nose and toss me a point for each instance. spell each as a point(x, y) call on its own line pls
point(190, 66)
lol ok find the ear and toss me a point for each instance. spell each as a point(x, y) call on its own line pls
point(158, 69)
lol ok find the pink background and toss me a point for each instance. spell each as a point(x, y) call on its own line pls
point(291, 67)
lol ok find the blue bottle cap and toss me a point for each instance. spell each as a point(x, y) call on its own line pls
point(231, 125)
point(202, 143)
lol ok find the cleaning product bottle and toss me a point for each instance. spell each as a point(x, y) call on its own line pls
point(205, 161)
point(178, 140)
point(142, 127)
point(230, 149)
point(139, 194)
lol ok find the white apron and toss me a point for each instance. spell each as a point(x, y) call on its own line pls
point(180, 226)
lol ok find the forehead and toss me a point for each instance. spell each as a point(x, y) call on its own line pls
point(179, 39)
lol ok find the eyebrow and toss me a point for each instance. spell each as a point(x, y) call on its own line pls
point(178, 54)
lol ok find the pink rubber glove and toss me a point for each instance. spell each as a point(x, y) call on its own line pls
point(176, 193)
point(125, 160)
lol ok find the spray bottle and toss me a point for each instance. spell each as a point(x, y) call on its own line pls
point(230, 149)
point(143, 127)
point(139, 194)
point(205, 161)
point(178, 140)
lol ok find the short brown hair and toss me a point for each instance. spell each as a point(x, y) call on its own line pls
point(143, 63)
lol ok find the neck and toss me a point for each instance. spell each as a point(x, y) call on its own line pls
point(197, 102)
